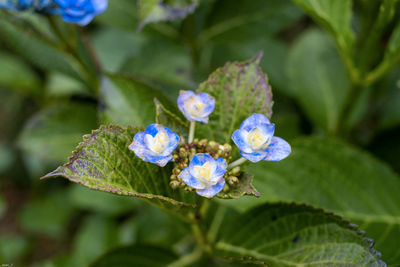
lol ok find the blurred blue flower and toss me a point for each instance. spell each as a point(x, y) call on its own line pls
point(196, 107)
point(256, 141)
point(80, 12)
point(155, 144)
point(205, 174)
point(25, 4)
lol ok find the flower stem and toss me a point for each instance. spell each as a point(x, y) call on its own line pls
point(191, 131)
point(237, 163)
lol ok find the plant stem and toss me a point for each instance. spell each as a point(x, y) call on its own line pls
point(237, 163)
point(191, 131)
point(188, 259)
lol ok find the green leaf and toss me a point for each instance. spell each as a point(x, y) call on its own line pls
point(126, 101)
point(113, 54)
point(332, 175)
point(242, 21)
point(48, 215)
point(104, 162)
point(273, 61)
point(295, 235)
point(36, 49)
point(334, 16)
point(95, 235)
point(52, 134)
point(240, 89)
point(164, 10)
point(16, 74)
point(393, 47)
point(318, 79)
point(173, 121)
point(110, 204)
point(136, 255)
point(169, 67)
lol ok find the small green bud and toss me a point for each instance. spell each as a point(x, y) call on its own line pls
point(182, 152)
point(227, 147)
point(176, 171)
point(226, 188)
point(233, 180)
point(174, 184)
point(173, 177)
point(235, 171)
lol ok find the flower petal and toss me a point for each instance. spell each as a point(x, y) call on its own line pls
point(239, 137)
point(254, 156)
point(209, 101)
point(277, 150)
point(221, 167)
point(173, 141)
point(253, 121)
point(191, 181)
point(153, 129)
point(211, 191)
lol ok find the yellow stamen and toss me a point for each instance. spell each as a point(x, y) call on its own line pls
point(256, 139)
point(203, 172)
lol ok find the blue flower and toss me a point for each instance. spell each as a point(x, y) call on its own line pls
point(155, 144)
point(80, 12)
point(196, 107)
point(205, 174)
point(25, 4)
point(256, 141)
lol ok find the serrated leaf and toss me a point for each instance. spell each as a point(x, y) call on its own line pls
point(104, 162)
point(240, 89)
point(335, 16)
point(337, 177)
point(164, 10)
point(136, 255)
point(36, 49)
point(171, 120)
point(295, 235)
point(245, 187)
point(126, 101)
point(52, 134)
point(321, 83)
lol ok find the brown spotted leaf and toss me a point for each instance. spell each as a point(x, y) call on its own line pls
point(104, 162)
point(240, 89)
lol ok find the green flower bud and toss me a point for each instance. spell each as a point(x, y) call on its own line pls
point(235, 171)
point(174, 184)
point(233, 180)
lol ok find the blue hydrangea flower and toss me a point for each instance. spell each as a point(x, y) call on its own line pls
point(155, 144)
point(205, 174)
point(256, 141)
point(25, 4)
point(80, 12)
point(196, 107)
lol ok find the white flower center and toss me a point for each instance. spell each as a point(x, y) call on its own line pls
point(203, 172)
point(159, 142)
point(194, 106)
point(257, 140)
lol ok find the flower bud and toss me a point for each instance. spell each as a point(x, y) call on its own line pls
point(174, 184)
point(233, 180)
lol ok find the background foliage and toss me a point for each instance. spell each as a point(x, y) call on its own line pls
point(335, 76)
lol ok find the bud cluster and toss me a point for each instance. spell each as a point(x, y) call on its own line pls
point(185, 152)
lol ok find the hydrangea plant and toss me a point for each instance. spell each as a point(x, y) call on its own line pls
point(187, 169)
